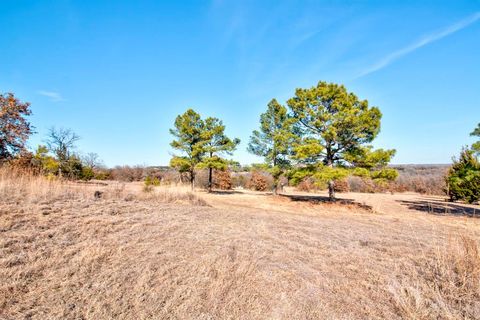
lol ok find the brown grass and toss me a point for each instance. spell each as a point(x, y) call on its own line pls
point(29, 189)
point(161, 255)
point(446, 286)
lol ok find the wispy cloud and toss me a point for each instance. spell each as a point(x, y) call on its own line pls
point(420, 43)
point(52, 95)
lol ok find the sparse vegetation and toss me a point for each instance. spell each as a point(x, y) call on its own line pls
point(320, 144)
point(364, 271)
point(126, 251)
point(308, 219)
point(127, 173)
point(447, 284)
point(424, 179)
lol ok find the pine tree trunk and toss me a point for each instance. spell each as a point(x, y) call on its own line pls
point(192, 180)
point(331, 183)
point(210, 179)
point(275, 186)
point(331, 190)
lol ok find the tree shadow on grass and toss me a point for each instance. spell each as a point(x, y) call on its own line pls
point(224, 192)
point(316, 199)
point(441, 208)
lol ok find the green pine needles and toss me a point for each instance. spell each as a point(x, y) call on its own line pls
point(463, 179)
point(202, 143)
point(275, 140)
point(325, 134)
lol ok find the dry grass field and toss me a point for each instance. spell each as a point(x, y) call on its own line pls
point(173, 254)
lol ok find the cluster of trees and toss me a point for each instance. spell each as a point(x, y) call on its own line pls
point(463, 179)
point(203, 145)
point(56, 158)
point(324, 134)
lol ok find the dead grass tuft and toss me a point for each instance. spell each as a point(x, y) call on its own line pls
point(18, 185)
point(29, 189)
point(446, 286)
point(172, 194)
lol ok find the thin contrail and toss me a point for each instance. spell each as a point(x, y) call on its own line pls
point(54, 96)
point(422, 42)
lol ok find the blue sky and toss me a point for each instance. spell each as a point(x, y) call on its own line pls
point(118, 72)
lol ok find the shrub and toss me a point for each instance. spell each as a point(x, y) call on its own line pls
point(358, 184)
point(222, 180)
point(430, 184)
point(170, 177)
point(149, 181)
point(102, 175)
point(128, 173)
point(463, 178)
point(87, 173)
point(201, 178)
point(257, 182)
point(419, 185)
point(240, 179)
point(424, 179)
point(24, 161)
point(72, 168)
point(341, 185)
point(306, 185)
point(398, 187)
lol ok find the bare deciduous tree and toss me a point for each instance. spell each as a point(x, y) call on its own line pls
point(92, 160)
point(61, 142)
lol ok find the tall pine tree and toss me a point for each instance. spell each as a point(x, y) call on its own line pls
point(275, 140)
point(336, 128)
point(189, 140)
point(216, 145)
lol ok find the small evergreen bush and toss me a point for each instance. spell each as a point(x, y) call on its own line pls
point(463, 180)
point(154, 182)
